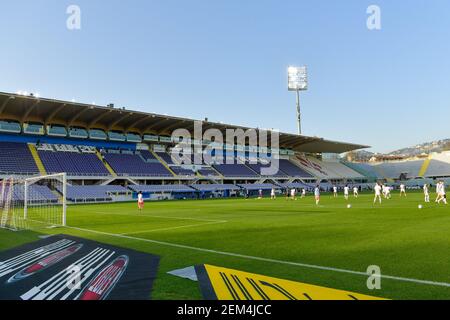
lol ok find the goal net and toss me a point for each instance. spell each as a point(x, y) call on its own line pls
point(33, 203)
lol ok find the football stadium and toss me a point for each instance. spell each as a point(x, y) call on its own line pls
point(147, 198)
point(77, 169)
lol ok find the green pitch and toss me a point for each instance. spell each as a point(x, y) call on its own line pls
point(293, 240)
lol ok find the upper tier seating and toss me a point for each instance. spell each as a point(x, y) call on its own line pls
point(315, 168)
point(208, 172)
point(394, 169)
point(439, 165)
point(327, 169)
point(364, 169)
point(179, 171)
point(73, 163)
point(265, 169)
point(16, 158)
point(148, 156)
point(292, 170)
point(236, 169)
point(340, 170)
point(167, 158)
point(175, 166)
point(133, 164)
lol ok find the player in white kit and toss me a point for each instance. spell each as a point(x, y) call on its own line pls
point(303, 192)
point(438, 193)
point(426, 192)
point(293, 194)
point(272, 194)
point(346, 192)
point(402, 190)
point(317, 195)
point(441, 194)
point(355, 192)
point(377, 190)
point(444, 194)
point(387, 192)
point(335, 191)
point(140, 201)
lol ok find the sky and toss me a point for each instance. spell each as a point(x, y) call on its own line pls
point(227, 60)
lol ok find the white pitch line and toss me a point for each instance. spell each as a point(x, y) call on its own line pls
point(237, 255)
point(160, 217)
point(174, 228)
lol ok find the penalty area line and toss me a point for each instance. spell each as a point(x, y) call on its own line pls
point(146, 215)
point(174, 228)
point(248, 257)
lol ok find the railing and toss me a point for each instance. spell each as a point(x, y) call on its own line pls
point(143, 175)
point(88, 200)
point(76, 174)
point(148, 175)
point(15, 173)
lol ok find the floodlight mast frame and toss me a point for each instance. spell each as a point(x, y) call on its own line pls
point(299, 116)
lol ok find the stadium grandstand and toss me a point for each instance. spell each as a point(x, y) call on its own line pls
point(111, 154)
point(413, 171)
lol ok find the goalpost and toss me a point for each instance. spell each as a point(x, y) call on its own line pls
point(30, 203)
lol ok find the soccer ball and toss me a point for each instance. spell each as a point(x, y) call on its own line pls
point(349, 206)
point(420, 206)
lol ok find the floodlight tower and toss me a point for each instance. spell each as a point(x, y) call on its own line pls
point(298, 81)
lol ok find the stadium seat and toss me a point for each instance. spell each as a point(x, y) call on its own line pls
point(16, 158)
point(73, 163)
point(93, 193)
point(134, 165)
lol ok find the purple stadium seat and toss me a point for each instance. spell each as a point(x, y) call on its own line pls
point(93, 193)
point(292, 170)
point(16, 158)
point(236, 169)
point(208, 172)
point(72, 163)
point(133, 164)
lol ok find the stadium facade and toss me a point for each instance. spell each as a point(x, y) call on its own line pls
point(111, 153)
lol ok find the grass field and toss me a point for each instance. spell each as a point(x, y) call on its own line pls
point(285, 239)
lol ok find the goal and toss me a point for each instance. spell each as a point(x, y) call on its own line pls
point(32, 203)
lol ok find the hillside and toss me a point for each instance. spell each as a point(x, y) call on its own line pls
point(424, 148)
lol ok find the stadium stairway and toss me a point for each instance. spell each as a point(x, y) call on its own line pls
point(425, 165)
point(198, 175)
point(218, 174)
point(295, 161)
point(162, 162)
point(106, 164)
point(37, 159)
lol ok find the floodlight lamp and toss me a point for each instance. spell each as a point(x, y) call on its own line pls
point(297, 78)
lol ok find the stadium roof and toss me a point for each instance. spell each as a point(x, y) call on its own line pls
point(72, 114)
